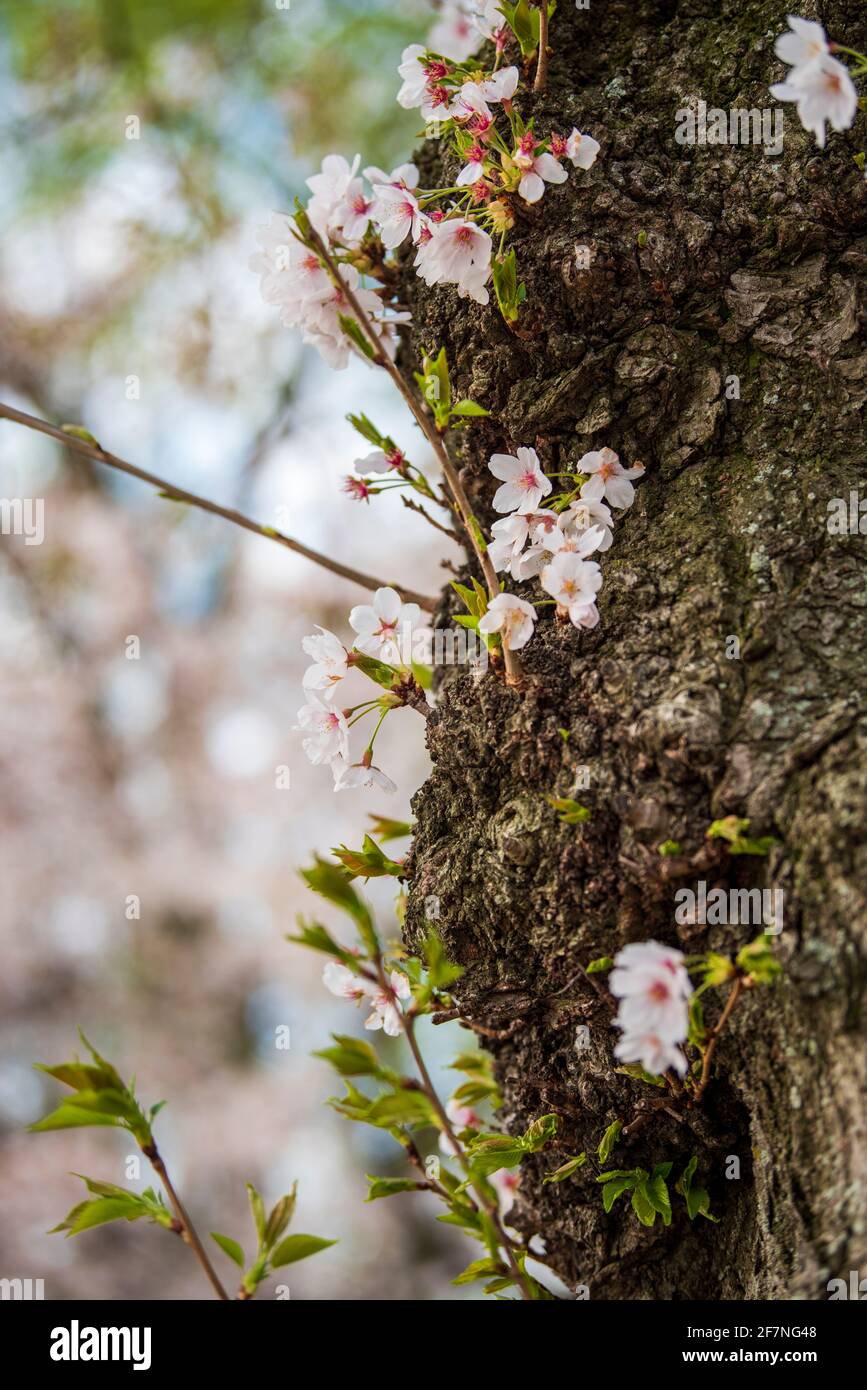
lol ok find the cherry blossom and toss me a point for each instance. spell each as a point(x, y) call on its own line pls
point(505, 1183)
point(500, 86)
point(656, 1054)
point(462, 1117)
point(381, 462)
point(323, 312)
point(609, 478)
point(353, 214)
point(386, 1015)
point(404, 176)
point(329, 731)
point(291, 275)
point(458, 252)
point(512, 617)
point(574, 583)
point(329, 190)
point(565, 539)
point(382, 624)
point(582, 150)
point(539, 169)
point(652, 982)
point(340, 980)
point(356, 487)
point(587, 512)
point(823, 92)
point(420, 85)
point(454, 35)
point(330, 659)
point(347, 776)
point(397, 214)
point(524, 483)
point(805, 42)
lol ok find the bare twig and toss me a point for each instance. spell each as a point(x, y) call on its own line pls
point(188, 1231)
point(178, 494)
point(417, 507)
point(541, 81)
point(737, 989)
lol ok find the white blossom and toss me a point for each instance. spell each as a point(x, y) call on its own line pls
point(538, 169)
point(454, 35)
point(397, 214)
point(586, 513)
point(609, 479)
point(656, 1054)
point(524, 483)
point(420, 87)
point(382, 625)
point(823, 92)
point(805, 42)
point(386, 1015)
point(347, 776)
point(329, 189)
point(404, 176)
point(329, 658)
point(500, 86)
point(574, 583)
point(458, 252)
point(329, 732)
point(512, 617)
point(582, 149)
point(340, 980)
point(653, 985)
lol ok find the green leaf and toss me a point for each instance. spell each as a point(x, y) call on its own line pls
point(258, 1209)
point(758, 960)
point(280, 1216)
point(329, 881)
point(352, 1057)
point(697, 1199)
point(295, 1248)
point(368, 430)
point(613, 1189)
point(643, 1204)
point(481, 1269)
point(669, 848)
point(571, 812)
point(566, 1169)
point(540, 1133)
point(469, 408)
point(230, 1247)
point(387, 829)
point(100, 1211)
point(368, 862)
point(600, 964)
point(79, 432)
point(639, 1074)
point(355, 333)
point(441, 971)
point(402, 1108)
point(609, 1139)
point(696, 1034)
point(489, 1153)
point(657, 1194)
point(316, 938)
point(733, 829)
point(389, 1187)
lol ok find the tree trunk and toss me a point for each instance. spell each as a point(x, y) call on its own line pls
point(708, 263)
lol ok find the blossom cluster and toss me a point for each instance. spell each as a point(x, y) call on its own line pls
point(561, 538)
point(817, 82)
point(380, 628)
point(653, 987)
point(384, 998)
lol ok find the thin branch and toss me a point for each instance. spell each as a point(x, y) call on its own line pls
point(448, 1129)
point(737, 990)
point(178, 494)
point(437, 525)
point(188, 1230)
point(427, 426)
point(541, 81)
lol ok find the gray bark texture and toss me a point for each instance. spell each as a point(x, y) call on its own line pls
point(749, 266)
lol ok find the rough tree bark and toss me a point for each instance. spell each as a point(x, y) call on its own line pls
point(749, 266)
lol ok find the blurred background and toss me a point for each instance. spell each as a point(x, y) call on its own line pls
point(148, 856)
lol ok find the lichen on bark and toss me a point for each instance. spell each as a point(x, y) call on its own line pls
point(748, 266)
